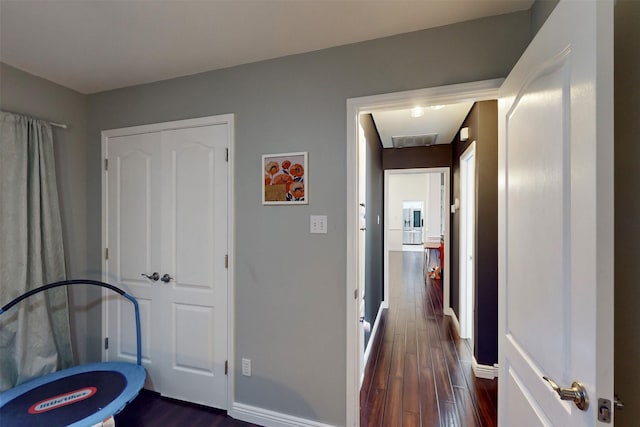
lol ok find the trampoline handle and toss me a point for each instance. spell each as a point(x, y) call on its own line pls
point(26, 295)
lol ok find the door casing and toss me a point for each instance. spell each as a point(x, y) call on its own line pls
point(467, 241)
point(478, 91)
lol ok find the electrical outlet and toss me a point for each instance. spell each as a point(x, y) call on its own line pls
point(246, 367)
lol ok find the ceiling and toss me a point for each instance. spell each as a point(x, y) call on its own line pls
point(93, 46)
point(444, 120)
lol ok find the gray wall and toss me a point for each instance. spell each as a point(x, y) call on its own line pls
point(374, 209)
point(540, 11)
point(434, 156)
point(627, 209)
point(24, 93)
point(292, 325)
point(482, 122)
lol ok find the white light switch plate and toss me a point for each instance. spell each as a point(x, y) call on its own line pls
point(318, 224)
point(246, 367)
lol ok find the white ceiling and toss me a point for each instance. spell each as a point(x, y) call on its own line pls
point(92, 46)
point(445, 121)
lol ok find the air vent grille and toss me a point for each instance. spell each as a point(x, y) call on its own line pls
point(414, 140)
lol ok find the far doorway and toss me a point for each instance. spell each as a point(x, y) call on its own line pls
point(416, 199)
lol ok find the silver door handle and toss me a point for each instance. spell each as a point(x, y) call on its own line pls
point(154, 276)
point(166, 278)
point(577, 393)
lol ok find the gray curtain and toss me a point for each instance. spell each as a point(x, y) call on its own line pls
point(34, 336)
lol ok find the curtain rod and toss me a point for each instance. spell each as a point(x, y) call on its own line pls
point(58, 125)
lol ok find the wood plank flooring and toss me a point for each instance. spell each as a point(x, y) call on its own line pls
point(419, 372)
point(151, 410)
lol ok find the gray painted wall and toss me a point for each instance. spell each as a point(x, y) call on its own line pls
point(290, 302)
point(482, 122)
point(374, 209)
point(627, 209)
point(540, 11)
point(27, 94)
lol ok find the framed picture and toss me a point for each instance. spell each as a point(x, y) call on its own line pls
point(285, 179)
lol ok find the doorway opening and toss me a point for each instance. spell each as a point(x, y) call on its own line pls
point(434, 97)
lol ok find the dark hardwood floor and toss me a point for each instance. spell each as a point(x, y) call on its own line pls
point(419, 371)
point(151, 410)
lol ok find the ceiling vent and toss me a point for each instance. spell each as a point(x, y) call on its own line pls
point(414, 140)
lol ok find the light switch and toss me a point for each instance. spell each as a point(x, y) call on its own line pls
point(318, 224)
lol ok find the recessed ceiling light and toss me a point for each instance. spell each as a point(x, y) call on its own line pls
point(417, 112)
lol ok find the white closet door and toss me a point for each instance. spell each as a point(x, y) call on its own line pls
point(167, 214)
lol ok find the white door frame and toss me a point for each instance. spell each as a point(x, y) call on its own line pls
point(467, 232)
point(182, 124)
point(476, 91)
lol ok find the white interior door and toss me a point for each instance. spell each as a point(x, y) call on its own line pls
point(134, 234)
point(167, 213)
point(556, 220)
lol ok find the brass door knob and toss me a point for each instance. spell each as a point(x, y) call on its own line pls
point(577, 393)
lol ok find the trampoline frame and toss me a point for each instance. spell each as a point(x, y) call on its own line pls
point(128, 370)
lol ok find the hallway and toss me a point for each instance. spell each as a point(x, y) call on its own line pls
point(419, 372)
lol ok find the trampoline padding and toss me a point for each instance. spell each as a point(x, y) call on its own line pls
point(80, 396)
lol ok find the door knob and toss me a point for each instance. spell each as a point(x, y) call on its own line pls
point(166, 278)
point(154, 276)
point(577, 393)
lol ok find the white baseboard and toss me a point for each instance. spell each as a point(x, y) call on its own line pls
point(374, 331)
point(484, 371)
point(267, 418)
point(449, 312)
point(480, 371)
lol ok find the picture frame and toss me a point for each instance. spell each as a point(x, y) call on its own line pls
point(285, 179)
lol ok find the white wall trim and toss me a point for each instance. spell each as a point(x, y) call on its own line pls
point(267, 418)
point(484, 371)
point(228, 119)
point(372, 337)
point(454, 319)
point(466, 288)
point(477, 91)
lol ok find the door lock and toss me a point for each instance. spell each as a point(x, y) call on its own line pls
point(577, 393)
point(154, 276)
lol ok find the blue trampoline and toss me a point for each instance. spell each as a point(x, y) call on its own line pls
point(80, 396)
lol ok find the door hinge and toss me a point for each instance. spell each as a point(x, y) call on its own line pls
point(106, 164)
point(355, 294)
point(106, 253)
point(226, 367)
point(106, 343)
point(226, 261)
point(226, 154)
